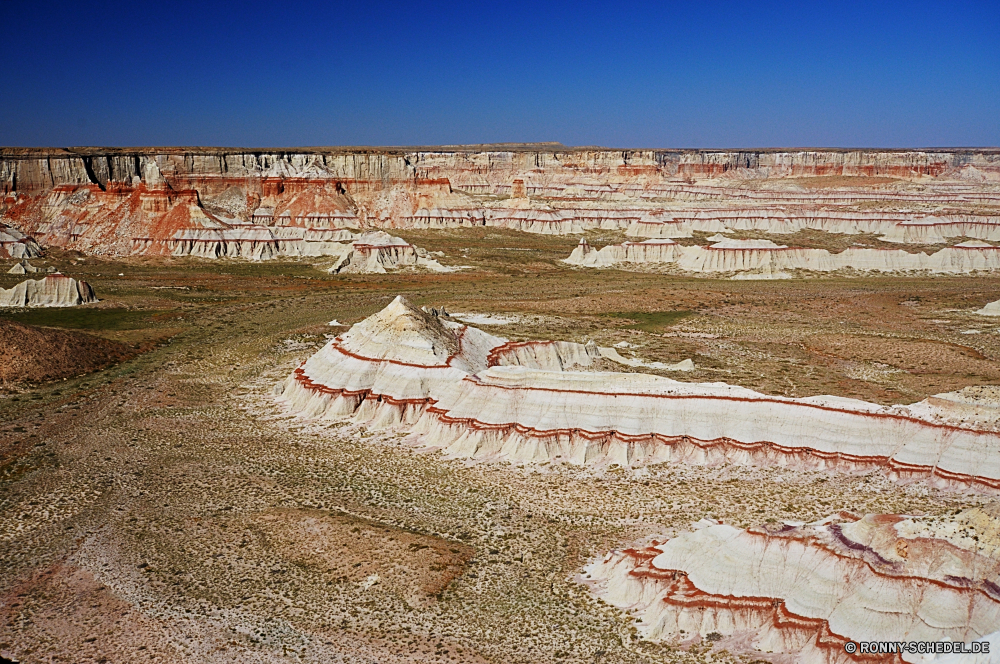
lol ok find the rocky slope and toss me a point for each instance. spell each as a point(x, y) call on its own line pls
point(36, 354)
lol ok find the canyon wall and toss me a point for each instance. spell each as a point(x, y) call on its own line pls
point(175, 200)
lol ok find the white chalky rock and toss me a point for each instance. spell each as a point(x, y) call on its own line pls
point(806, 590)
point(478, 396)
point(378, 251)
point(991, 309)
point(55, 290)
point(15, 244)
point(22, 268)
point(769, 260)
point(648, 251)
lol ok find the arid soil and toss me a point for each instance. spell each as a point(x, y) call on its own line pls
point(166, 509)
point(37, 354)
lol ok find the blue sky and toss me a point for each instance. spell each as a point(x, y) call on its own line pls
point(684, 74)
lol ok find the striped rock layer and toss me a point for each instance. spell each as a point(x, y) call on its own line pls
point(14, 244)
point(55, 290)
point(249, 203)
point(477, 396)
point(804, 591)
point(767, 259)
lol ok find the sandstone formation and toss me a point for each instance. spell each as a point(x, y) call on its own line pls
point(377, 251)
point(475, 395)
point(14, 244)
point(256, 204)
point(805, 590)
point(767, 259)
point(37, 354)
point(55, 290)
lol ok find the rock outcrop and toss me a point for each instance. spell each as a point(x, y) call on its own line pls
point(475, 395)
point(807, 590)
point(766, 259)
point(218, 202)
point(14, 244)
point(648, 251)
point(991, 309)
point(24, 267)
point(376, 252)
point(55, 290)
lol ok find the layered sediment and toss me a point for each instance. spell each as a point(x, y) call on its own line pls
point(376, 252)
point(14, 244)
point(256, 203)
point(767, 259)
point(805, 591)
point(474, 395)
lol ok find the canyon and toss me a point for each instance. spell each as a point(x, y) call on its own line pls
point(499, 403)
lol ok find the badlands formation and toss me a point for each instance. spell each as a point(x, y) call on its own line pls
point(809, 589)
point(259, 205)
point(55, 290)
point(478, 396)
point(252, 450)
point(804, 590)
point(764, 258)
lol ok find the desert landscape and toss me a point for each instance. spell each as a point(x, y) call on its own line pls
point(506, 403)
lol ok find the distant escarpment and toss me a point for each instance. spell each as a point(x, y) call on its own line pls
point(217, 202)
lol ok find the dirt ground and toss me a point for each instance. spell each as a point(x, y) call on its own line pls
point(38, 354)
point(166, 509)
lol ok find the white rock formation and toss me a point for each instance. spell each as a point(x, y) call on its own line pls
point(389, 367)
point(649, 251)
point(378, 251)
point(770, 260)
point(894, 226)
point(614, 356)
point(542, 220)
point(476, 395)
point(250, 242)
point(24, 267)
point(806, 590)
point(55, 290)
point(902, 227)
point(976, 407)
point(991, 309)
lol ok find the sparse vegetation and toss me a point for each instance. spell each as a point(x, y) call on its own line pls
point(167, 500)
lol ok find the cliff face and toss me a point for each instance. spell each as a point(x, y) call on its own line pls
point(802, 592)
point(138, 200)
point(28, 171)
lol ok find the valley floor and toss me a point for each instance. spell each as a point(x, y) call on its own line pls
point(167, 509)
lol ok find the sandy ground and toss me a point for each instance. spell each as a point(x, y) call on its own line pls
point(166, 508)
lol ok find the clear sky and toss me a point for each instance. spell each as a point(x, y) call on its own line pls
point(667, 74)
